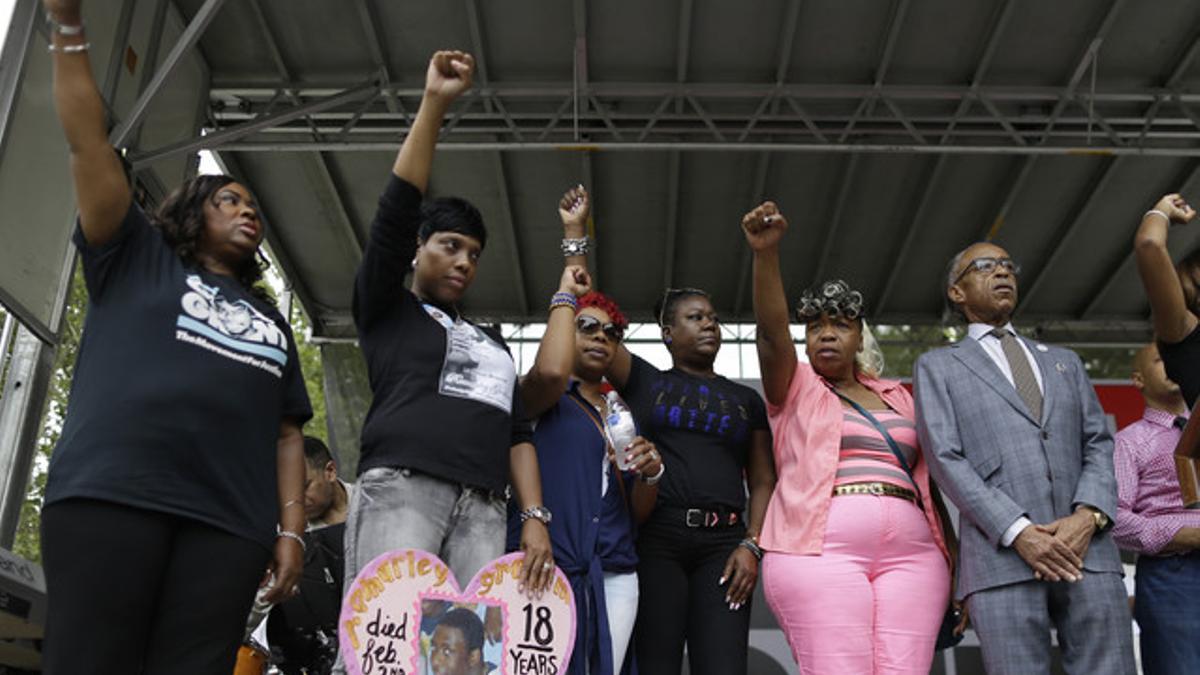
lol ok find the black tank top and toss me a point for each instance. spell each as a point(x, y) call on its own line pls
point(1182, 361)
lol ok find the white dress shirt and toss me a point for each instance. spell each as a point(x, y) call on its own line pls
point(981, 333)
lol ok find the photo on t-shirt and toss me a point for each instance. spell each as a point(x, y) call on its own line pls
point(477, 368)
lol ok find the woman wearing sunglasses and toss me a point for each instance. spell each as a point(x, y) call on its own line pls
point(856, 570)
point(697, 551)
point(593, 503)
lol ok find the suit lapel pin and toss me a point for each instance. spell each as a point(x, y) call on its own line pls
point(1042, 348)
point(1060, 367)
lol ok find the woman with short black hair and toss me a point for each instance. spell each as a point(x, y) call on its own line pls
point(446, 433)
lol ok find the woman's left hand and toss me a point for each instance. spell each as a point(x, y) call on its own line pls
point(286, 566)
point(739, 577)
point(538, 570)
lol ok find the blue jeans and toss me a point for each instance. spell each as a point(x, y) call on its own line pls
point(393, 508)
point(1168, 614)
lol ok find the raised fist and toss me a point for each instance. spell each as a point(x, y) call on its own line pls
point(574, 208)
point(449, 74)
point(575, 280)
point(764, 226)
point(1178, 211)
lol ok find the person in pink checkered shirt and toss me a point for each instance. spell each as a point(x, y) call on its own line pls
point(1152, 521)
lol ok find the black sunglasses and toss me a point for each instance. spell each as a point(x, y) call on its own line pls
point(588, 325)
point(987, 265)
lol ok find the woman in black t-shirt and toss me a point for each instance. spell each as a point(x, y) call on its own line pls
point(181, 451)
point(1173, 293)
point(445, 433)
point(698, 553)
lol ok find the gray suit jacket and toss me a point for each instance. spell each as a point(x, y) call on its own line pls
point(997, 463)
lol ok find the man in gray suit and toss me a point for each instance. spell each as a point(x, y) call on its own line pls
point(1015, 437)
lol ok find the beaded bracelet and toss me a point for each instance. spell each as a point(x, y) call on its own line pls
point(749, 545)
point(295, 537)
point(69, 49)
point(563, 299)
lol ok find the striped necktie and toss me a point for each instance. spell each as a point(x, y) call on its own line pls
point(1022, 371)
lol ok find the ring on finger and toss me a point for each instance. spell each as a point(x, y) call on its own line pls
point(547, 565)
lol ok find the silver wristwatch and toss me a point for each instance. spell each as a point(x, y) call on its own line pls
point(540, 512)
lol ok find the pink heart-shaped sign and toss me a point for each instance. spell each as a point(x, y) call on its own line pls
point(405, 615)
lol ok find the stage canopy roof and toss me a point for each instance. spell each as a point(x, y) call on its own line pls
point(892, 134)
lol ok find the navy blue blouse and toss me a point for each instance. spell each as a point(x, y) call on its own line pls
point(591, 534)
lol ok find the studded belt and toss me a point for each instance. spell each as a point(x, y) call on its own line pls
point(877, 489)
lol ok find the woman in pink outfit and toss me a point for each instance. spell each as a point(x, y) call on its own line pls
point(857, 569)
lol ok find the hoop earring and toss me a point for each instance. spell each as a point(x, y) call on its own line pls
point(414, 263)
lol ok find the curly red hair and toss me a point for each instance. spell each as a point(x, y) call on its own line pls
point(603, 302)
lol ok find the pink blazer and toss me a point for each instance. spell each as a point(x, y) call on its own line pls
point(807, 431)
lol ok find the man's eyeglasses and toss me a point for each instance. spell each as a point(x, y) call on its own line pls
point(589, 325)
point(987, 265)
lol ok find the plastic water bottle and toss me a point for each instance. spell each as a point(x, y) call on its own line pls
point(620, 427)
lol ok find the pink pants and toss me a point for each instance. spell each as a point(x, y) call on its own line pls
point(872, 601)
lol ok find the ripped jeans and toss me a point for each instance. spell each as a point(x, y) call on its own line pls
point(393, 508)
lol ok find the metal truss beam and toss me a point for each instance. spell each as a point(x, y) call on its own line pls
point(836, 219)
point(757, 195)
point(1066, 233)
point(1006, 116)
point(189, 37)
point(377, 45)
point(843, 148)
point(1067, 94)
point(673, 168)
point(506, 219)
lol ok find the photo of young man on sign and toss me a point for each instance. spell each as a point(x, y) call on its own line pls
point(453, 640)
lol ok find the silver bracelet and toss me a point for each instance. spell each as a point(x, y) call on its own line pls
point(653, 480)
point(63, 28)
point(1156, 212)
point(295, 537)
point(573, 247)
point(69, 49)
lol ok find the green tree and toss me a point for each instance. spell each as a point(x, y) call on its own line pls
point(314, 373)
point(28, 541)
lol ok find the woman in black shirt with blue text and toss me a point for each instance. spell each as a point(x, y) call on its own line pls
point(698, 553)
point(181, 450)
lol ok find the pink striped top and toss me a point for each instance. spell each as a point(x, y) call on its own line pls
point(864, 456)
